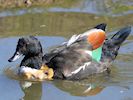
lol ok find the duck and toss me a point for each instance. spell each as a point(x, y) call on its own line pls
point(81, 56)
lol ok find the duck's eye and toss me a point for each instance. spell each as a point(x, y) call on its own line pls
point(17, 53)
point(46, 73)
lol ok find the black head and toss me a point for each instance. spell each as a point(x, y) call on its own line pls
point(27, 46)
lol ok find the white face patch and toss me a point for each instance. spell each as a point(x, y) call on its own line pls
point(17, 56)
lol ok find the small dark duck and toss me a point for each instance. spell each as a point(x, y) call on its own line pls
point(78, 58)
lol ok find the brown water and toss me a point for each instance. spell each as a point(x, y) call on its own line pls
point(54, 24)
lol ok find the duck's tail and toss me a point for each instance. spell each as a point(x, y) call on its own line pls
point(112, 45)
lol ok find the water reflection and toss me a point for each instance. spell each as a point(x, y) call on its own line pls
point(65, 21)
point(79, 88)
point(61, 24)
point(95, 84)
point(32, 91)
point(87, 87)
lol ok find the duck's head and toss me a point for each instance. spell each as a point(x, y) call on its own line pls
point(31, 66)
point(27, 46)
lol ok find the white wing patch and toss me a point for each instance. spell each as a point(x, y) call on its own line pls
point(88, 52)
point(73, 39)
point(80, 68)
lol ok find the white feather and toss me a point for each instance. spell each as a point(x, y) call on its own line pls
point(25, 69)
point(88, 52)
point(72, 39)
point(80, 68)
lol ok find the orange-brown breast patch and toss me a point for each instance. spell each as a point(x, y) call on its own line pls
point(96, 38)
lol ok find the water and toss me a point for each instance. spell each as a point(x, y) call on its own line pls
point(53, 25)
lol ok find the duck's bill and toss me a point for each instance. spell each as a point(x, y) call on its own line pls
point(16, 56)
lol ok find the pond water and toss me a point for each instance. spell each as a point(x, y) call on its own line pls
point(53, 25)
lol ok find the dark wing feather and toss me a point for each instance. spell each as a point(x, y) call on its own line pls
point(78, 44)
